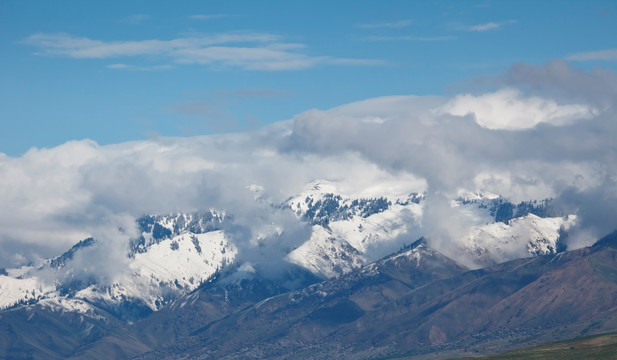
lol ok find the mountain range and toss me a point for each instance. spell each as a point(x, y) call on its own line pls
point(352, 278)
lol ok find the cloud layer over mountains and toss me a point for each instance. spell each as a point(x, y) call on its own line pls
point(544, 131)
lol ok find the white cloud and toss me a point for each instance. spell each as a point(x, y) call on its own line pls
point(138, 68)
point(485, 27)
point(60, 195)
point(489, 26)
point(511, 110)
point(70, 46)
point(409, 38)
point(606, 55)
point(390, 25)
point(119, 66)
point(265, 93)
point(252, 51)
point(136, 19)
point(207, 16)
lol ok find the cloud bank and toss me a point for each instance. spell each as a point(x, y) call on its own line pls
point(524, 141)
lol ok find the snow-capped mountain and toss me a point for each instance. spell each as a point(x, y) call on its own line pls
point(349, 232)
point(175, 254)
point(352, 231)
point(166, 269)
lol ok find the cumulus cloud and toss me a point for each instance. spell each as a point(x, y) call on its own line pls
point(559, 80)
point(251, 51)
point(523, 142)
point(596, 210)
point(56, 197)
point(509, 109)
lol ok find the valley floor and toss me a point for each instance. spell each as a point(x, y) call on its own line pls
point(592, 347)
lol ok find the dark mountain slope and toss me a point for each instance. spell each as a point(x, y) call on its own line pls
point(376, 311)
point(301, 320)
point(44, 332)
point(226, 294)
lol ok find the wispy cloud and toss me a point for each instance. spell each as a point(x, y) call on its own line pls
point(217, 111)
point(252, 51)
point(489, 26)
point(135, 19)
point(67, 45)
point(207, 16)
point(408, 38)
point(252, 93)
point(118, 66)
point(138, 68)
point(203, 108)
point(608, 55)
point(390, 25)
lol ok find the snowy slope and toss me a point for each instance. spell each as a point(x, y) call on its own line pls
point(499, 242)
point(174, 255)
point(185, 259)
point(349, 232)
point(168, 269)
point(154, 228)
point(22, 290)
point(66, 304)
point(327, 255)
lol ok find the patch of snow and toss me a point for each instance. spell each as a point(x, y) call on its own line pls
point(64, 304)
point(524, 236)
point(14, 291)
point(179, 264)
point(20, 271)
point(365, 234)
point(326, 255)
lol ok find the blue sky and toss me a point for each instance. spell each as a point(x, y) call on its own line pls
point(118, 71)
